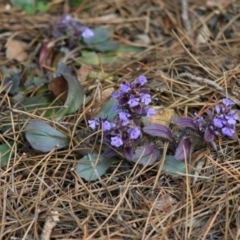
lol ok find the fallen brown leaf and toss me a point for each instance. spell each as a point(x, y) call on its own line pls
point(16, 50)
point(163, 117)
point(59, 86)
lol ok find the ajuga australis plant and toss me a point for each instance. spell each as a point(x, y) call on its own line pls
point(131, 137)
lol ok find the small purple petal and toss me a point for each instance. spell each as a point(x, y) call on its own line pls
point(227, 131)
point(124, 116)
point(150, 112)
point(145, 98)
point(66, 19)
point(107, 125)
point(115, 95)
point(134, 132)
point(125, 87)
point(87, 32)
point(93, 123)
point(218, 109)
point(141, 80)
point(227, 102)
point(133, 102)
point(116, 141)
point(218, 122)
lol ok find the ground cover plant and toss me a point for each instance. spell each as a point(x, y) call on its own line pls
point(119, 120)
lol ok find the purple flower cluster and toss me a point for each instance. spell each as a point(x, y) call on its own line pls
point(69, 26)
point(134, 98)
point(125, 132)
point(222, 122)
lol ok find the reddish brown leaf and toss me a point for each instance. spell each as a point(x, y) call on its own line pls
point(59, 86)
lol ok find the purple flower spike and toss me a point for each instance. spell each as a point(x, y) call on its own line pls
point(133, 102)
point(116, 141)
point(87, 32)
point(134, 133)
point(145, 98)
point(93, 123)
point(227, 102)
point(141, 80)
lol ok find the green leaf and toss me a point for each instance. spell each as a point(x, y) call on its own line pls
point(173, 166)
point(95, 59)
point(109, 45)
point(45, 138)
point(74, 98)
point(39, 103)
point(42, 7)
point(100, 35)
point(11, 80)
point(108, 110)
point(5, 152)
point(92, 166)
point(129, 49)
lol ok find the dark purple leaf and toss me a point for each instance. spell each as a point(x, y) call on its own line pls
point(122, 101)
point(158, 130)
point(128, 153)
point(208, 135)
point(147, 155)
point(109, 153)
point(185, 122)
point(137, 109)
point(183, 150)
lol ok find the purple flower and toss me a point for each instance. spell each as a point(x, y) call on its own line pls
point(93, 123)
point(141, 80)
point(124, 116)
point(115, 95)
point(218, 122)
point(87, 32)
point(150, 112)
point(228, 131)
point(125, 87)
point(107, 125)
point(133, 102)
point(116, 141)
point(145, 98)
point(67, 18)
point(232, 117)
point(227, 102)
point(134, 133)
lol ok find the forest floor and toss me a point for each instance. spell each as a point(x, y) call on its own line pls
point(190, 56)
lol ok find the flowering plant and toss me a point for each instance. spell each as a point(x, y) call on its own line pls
point(128, 135)
point(124, 134)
